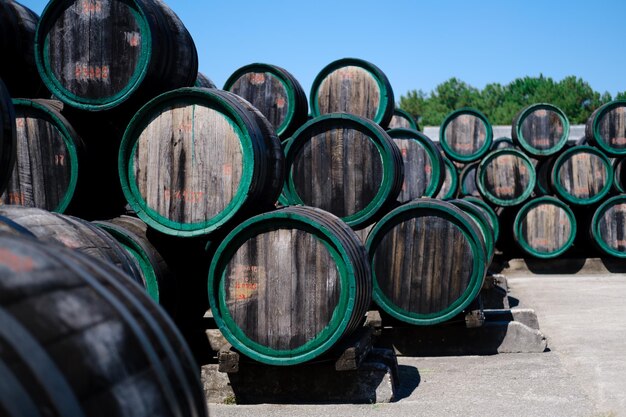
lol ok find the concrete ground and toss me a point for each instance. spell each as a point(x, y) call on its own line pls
point(583, 374)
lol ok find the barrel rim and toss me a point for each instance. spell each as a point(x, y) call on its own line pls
point(454, 184)
point(387, 104)
point(595, 227)
point(518, 137)
point(340, 318)
point(60, 124)
point(499, 201)
point(617, 182)
point(478, 214)
point(561, 192)
point(463, 174)
point(481, 151)
point(375, 134)
point(436, 178)
point(597, 138)
point(129, 144)
point(490, 212)
point(278, 73)
point(407, 116)
point(519, 236)
point(464, 223)
point(8, 149)
point(51, 12)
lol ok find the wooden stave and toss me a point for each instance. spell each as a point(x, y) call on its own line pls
point(493, 216)
point(384, 114)
point(436, 160)
point(261, 162)
point(619, 175)
point(299, 107)
point(464, 191)
point(594, 227)
point(404, 115)
point(476, 241)
point(593, 137)
point(8, 137)
point(124, 304)
point(203, 81)
point(517, 227)
point(18, 25)
point(339, 235)
point(450, 169)
point(392, 164)
point(487, 195)
point(478, 154)
point(50, 111)
point(484, 222)
point(572, 199)
point(518, 138)
point(166, 66)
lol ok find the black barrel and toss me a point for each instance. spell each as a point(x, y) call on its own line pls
point(8, 137)
point(540, 130)
point(79, 339)
point(608, 227)
point(606, 128)
point(465, 135)
point(204, 81)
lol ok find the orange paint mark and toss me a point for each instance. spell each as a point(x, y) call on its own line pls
point(280, 102)
point(619, 141)
point(86, 72)
point(20, 123)
point(227, 170)
point(133, 38)
point(428, 169)
point(91, 6)
point(14, 262)
point(16, 198)
point(59, 160)
point(188, 196)
point(257, 78)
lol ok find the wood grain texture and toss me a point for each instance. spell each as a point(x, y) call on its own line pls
point(350, 89)
point(43, 168)
point(465, 134)
point(619, 175)
point(339, 170)
point(612, 227)
point(582, 175)
point(402, 119)
point(76, 324)
point(545, 228)
point(506, 177)
point(467, 179)
point(282, 288)
point(423, 264)
point(542, 129)
point(449, 187)
point(607, 125)
point(202, 152)
point(418, 169)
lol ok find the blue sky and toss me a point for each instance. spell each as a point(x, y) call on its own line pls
point(418, 44)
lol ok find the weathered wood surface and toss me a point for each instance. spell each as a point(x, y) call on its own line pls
point(541, 129)
point(204, 81)
point(607, 126)
point(450, 183)
point(424, 263)
point(8, 136)
point(502, 143)
point(582, 175)
point(506, 177)
point(17, 43)
point(619, 176)
point(467, 180)
point(610, 227)
point(79, 339)
point(402, 119)
point(282, 286)
point(274, 92)
point(465, 135)
point(543, 173)
point(544, 228)
point(73, 233)
point(47, 162)
point(98, 49)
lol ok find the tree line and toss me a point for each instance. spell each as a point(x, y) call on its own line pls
point(500, 103)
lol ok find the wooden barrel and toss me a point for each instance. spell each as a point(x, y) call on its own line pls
point(49, 158)
point(619, 175)
point(467, 180)
point(17, 43)
point(545, 227)
point(131, 233)
point(73, 233)
point(220, 162)
point(97, 55)
point(79, 339)
point(608, 227)
point(450, 185)
point(493, 216)
point(423, 165)
point(540, 130)
point(402, 119)
point(465, 135)
point(606, 128)
point(582, 175)
point(484, 222)
point(344, 164)
point(506, 177)
point(502, 143)
point(543, 173)
point(353, 86)
point(8, 137)
point(275, 92)
point(204, 81)
point(286, 286)
point(428, 261)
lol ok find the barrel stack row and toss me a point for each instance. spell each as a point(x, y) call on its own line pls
point(553, 196)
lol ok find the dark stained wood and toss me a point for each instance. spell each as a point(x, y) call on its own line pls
point(204, 81)
point(450, 180)
point(545, 228)
point(611, 227)
point(96, 49)
point(423, 264)
point(73, 233)
point(43, 167)
point(80, 339)
point(465, 135)
point(543, 172)
point(610, 124)
point(502, 143)
point(8, 136)
point(619, 176)
point(17, 45)
point(506, 177)
point(402, 119)
point(542, 129)
point(582, 174)
point(467, 180)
